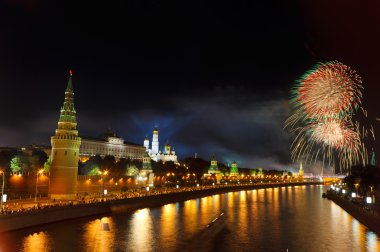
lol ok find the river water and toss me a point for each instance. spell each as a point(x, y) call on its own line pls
point(280, 219)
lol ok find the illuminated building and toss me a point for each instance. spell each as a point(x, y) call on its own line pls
point(109, 144)
point(301, 172)
point(168, 154)
point(65, 150)
point(146, 172)
point(260, 172)
point(234, 169)
point(213, 166)
point(213, 170)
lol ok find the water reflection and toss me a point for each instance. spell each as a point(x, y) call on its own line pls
point(99, 235)
point(294, 218)
point(168, 224)
point(141, 231)
point(37, 242)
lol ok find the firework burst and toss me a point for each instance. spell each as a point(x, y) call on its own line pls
point(330, 89)
point(325, 99)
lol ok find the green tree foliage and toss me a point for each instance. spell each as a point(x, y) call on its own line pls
point(47, 165)
point(15, 164)
point(114, 168)
point(94, 171)
point(132, 171)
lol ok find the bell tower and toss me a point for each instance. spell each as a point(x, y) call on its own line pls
point(65, 150)
point(155, 144)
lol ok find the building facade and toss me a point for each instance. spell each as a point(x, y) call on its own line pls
point(167, 154)
point(65, 150)
point(109, 144)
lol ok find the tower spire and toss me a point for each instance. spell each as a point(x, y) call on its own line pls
point(68, 113)
point(70, 83)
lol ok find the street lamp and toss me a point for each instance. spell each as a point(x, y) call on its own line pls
point(38, 173)
point(2, 190)
point(101, 174)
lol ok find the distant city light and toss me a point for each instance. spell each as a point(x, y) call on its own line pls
point(147, 188)
point(344, 191)
point(105, 192)
point(368, 200)
point(353, 195)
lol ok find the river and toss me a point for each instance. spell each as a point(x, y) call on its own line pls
point(280, 219)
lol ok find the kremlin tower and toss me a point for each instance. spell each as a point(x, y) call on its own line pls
point(214, 171)
point(65, 150)
point(213, 166)
point(234, 169)
point(301, 172)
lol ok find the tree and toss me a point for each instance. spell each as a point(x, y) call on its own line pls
point(132, 171)
point(94, 171)
point(47, 165)
point(85, 168)
point(15, 164)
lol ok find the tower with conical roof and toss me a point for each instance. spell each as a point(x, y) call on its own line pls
point(65, 150)
point(234, 169)
point(301, 171)
point(213, 166)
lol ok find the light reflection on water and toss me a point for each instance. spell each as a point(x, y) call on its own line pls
point(36, 242)
point(293, 218)
point(99, 235)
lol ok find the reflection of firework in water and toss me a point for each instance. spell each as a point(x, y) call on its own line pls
point(325, 100)
point(329, 89)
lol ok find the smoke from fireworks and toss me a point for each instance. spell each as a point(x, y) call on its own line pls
point(325, 99)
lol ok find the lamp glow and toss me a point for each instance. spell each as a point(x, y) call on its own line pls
point(368, 200)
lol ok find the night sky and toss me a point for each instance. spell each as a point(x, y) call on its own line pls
point(213, 77)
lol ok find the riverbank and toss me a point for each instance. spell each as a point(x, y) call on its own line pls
point(367, 218)
point(60, 213)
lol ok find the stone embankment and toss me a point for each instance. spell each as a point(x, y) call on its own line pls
point(60, 213)
point(367, 218)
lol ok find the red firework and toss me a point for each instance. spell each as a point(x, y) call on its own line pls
point(330, 89)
